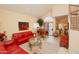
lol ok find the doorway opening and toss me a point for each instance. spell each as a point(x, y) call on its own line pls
point(62, 29)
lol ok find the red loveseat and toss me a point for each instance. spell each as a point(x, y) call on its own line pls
point(22, 37)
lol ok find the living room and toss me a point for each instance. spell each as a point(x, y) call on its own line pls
point(13, 16)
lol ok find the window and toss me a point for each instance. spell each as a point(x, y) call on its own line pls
point(74, 17)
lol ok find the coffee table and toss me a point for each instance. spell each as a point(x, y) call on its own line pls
point(46, 47)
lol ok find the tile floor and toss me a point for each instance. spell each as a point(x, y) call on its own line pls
point(50, 45)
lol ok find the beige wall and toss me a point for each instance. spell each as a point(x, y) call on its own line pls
point(74, 41)
point(9, 21)
point(59, 9)
point(47, 14)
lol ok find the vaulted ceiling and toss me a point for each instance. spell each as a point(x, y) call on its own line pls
point(37, 10)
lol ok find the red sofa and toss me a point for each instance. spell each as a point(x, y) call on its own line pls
point(12, 46)
point(22, 37)
point(3, 49)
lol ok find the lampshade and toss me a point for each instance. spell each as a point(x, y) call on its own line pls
point(61, 26)
point(35, 25)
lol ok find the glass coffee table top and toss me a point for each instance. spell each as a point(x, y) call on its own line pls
point(46, 47)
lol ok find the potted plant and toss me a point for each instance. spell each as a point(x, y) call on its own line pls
point(41, 30)
point(40, 22)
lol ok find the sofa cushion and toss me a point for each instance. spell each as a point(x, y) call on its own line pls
point(10, 42)
point(22, 37)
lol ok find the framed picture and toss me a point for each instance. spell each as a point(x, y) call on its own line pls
point(23, 25)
